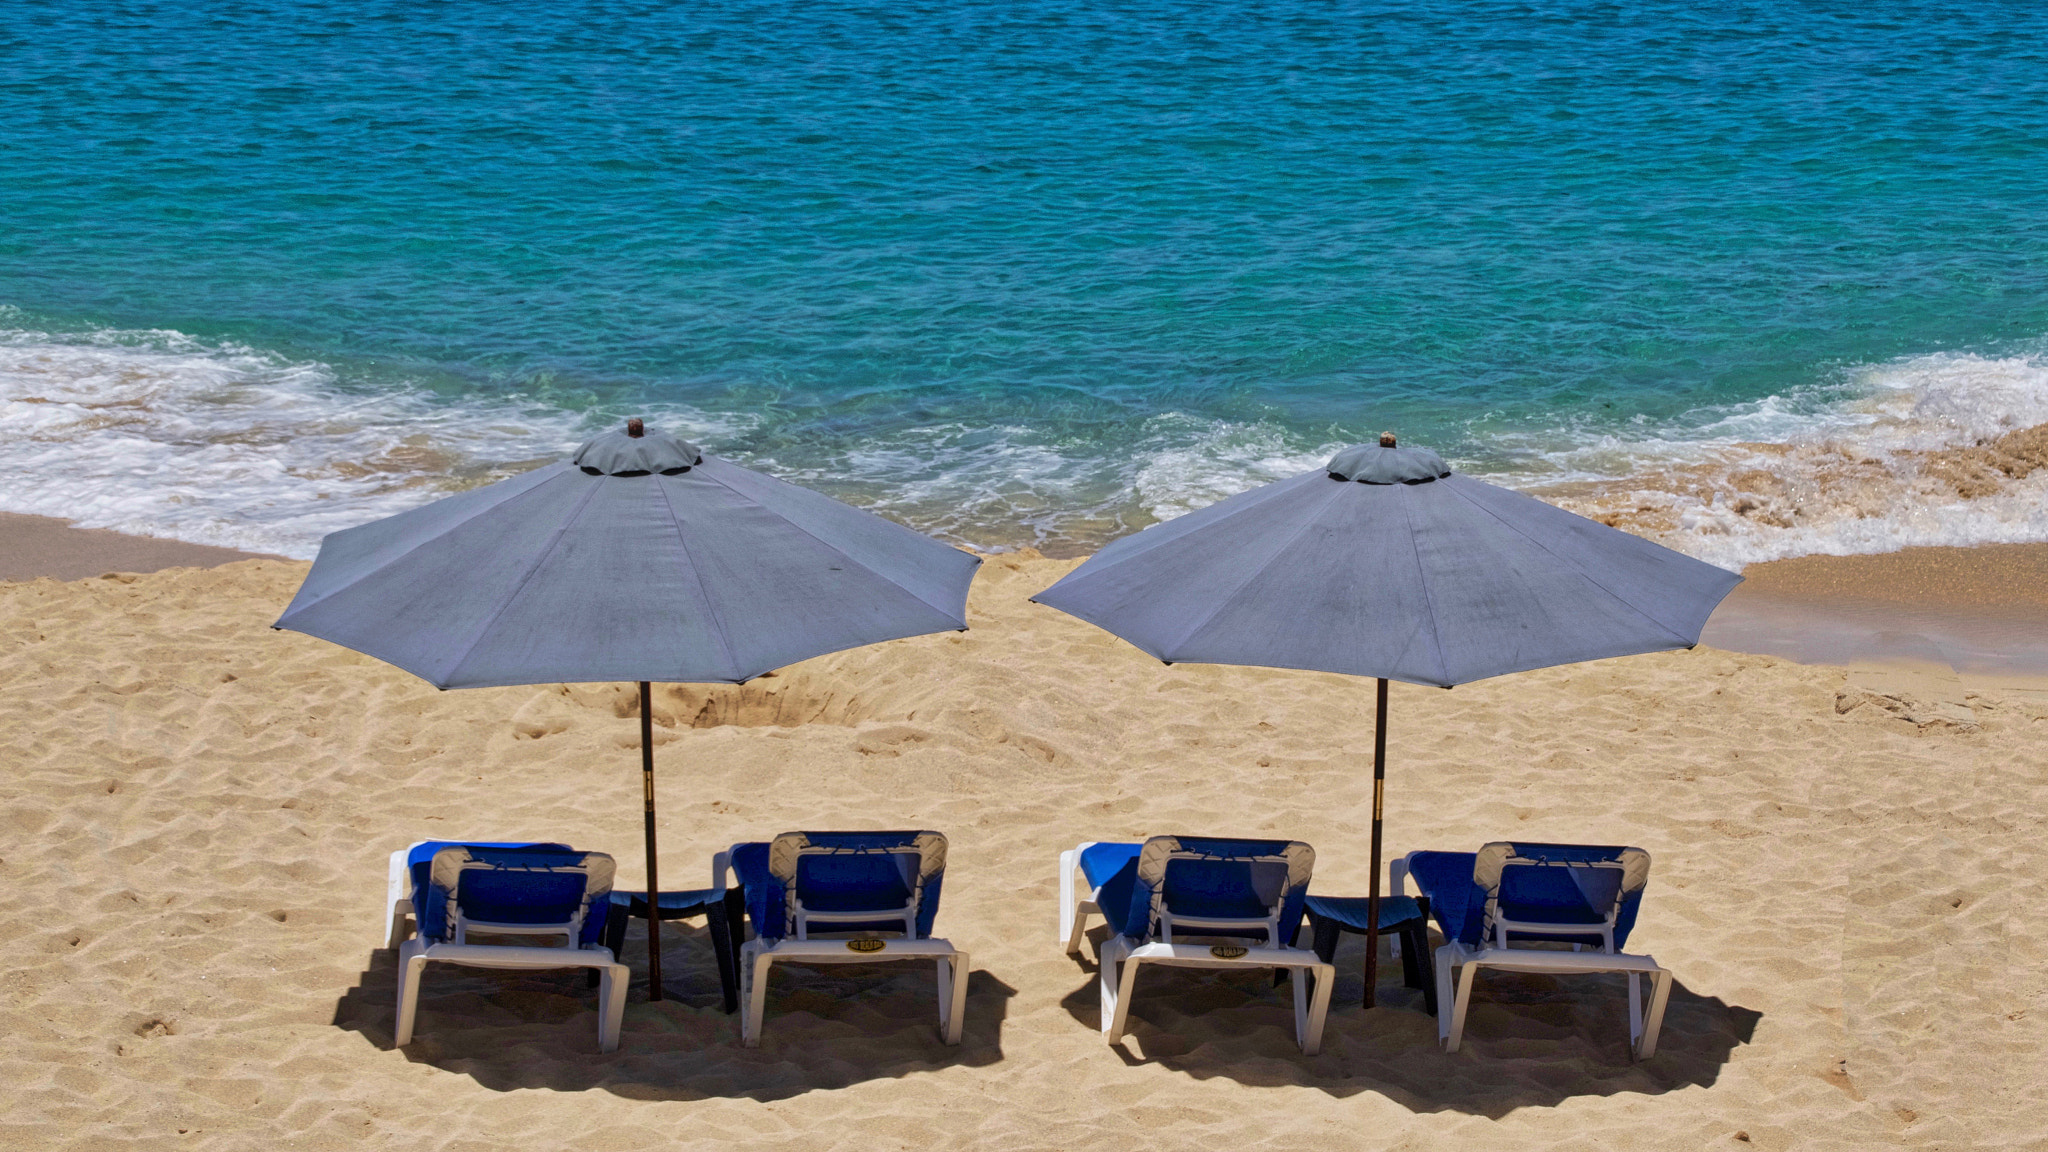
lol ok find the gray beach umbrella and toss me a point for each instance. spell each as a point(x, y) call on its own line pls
point(640, 559)
point(1387, 564)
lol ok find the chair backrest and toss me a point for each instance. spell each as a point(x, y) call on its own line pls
point(1574, 893)
point(1207, 886)
point(419, 858)
point(537, 891)
point(853, 882)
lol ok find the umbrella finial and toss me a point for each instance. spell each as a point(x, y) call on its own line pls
point(1386, 439)
point(636, 429)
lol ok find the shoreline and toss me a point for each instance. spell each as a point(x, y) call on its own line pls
point(1976, 612)
point(33, 547)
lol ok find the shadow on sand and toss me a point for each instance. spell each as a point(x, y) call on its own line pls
point(1531, 1041)
point(826, 1027)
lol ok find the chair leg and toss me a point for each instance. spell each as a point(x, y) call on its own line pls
point(1126, 985)
point(1325, 979)
point(1660, 997)
point(722, 950)
point(615, 918)
point(410, 970)
point(1118, 974)
point(1635, 1009)
point(1301, 983)
point(611, 1004)
point(1459, 1004)
point(1070, 930)
point(1106, 980)
point(1443, 993)
point(757, 997)
point(952, 996)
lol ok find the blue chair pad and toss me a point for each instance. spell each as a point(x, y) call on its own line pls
point(853, 883)
point(1545, 895)
point(1353, 911)
point(1099, 862)
point(1456, 904)
point(1223, 889)
point(523, 897)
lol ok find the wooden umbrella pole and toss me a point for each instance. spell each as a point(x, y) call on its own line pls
point(653, 880)
point(1379, 797)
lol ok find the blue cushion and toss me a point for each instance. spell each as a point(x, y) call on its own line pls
point(1101, 861)
point(1113, 896)
point(765, 906)
point(1222, 889)
point(1456, 904)
point(855, 883)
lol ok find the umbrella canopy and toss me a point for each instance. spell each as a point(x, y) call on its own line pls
point(1385, 563)
point(639, 559)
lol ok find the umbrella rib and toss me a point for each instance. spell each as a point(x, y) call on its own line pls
point(1203, 622)
point(732, 662)
point(1436, 639)
point(513, 593)
point(835, 549)
point(1582, 573)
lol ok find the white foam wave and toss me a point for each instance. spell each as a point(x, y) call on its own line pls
point(157, 434)
point(1867, 464)
point(153, 433)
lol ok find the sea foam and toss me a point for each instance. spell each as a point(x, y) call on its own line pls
point(155, 433)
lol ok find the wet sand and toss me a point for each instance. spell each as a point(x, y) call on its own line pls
point(32, 546)
point(1976, 614)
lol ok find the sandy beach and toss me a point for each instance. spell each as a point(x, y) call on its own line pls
point(1847, 881)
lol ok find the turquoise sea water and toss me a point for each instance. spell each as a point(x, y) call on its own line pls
point(1034, 272)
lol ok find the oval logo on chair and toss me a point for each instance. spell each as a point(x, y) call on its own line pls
point(866, 945)
point(1227, 951)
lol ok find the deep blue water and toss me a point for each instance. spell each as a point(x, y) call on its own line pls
point(1037, 263)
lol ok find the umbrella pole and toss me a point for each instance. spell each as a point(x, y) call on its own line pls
point(654, 884)
point(1379, 796)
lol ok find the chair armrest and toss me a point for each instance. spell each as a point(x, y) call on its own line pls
point(398, 882)
point(721, 866)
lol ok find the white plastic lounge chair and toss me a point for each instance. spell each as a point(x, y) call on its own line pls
point(1196, 887)
point(530, 890)
point(854, 886)
point(1559, 894)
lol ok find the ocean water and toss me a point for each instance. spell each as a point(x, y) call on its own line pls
point(1753, 279)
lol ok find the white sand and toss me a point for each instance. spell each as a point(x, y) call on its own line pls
point(1849, 886)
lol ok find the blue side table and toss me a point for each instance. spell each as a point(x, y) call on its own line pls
point(1403, 916)
point(722, 914)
